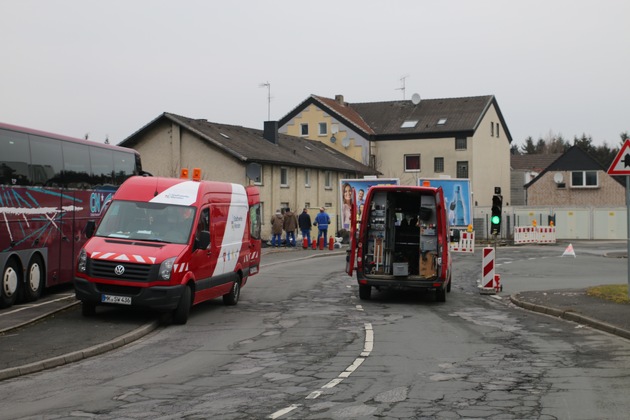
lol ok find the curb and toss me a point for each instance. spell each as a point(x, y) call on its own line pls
point(79, 354)
point(571, 316)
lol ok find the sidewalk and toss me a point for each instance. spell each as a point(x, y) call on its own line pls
point(575, 305)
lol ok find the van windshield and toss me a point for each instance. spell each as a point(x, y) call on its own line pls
point(147, 221)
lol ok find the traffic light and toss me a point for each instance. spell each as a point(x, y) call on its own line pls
point(495, 217)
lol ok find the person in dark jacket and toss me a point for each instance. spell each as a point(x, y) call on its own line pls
point(277, 221)
point(322, 220)
point(304, 221)
point(290, 226)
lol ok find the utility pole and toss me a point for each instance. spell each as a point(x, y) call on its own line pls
point(268, 86)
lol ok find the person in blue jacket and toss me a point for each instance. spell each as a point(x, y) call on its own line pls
point(322, 220)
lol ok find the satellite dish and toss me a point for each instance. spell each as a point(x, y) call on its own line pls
point(345, 142)
point(415, 99)
point(558, 178)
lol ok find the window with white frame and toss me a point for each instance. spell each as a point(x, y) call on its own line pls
point(498, 135)
point(584, 179)
point(461, 143)
point(307, 177)
point(328, 180)
point(304, 129)
point(438, 164)
point(323, 129)
point(491, 129)
point(412, 163)
point(284, 177)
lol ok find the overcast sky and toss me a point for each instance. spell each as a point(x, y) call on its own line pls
point(107, 68)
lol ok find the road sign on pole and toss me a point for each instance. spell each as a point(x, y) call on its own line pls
point(621, 166)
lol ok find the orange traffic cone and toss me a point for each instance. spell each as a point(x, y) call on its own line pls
point(321, 243)
point(304, 243)
point(331, 243)
point(314, 243)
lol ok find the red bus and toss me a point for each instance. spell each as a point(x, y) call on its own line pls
point(50, 186)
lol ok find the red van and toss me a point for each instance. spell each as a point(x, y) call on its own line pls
point(168, 244)
point(401, 241)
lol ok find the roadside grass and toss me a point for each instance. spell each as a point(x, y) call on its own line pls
point(617, 293)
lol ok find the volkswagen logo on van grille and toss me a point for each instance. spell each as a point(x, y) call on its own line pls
point(119, 270)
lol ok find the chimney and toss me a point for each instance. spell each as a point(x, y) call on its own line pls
point(339, 100)
point(270, 133)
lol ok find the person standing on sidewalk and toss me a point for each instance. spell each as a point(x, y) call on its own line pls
point(322, 220)
point(277, 222)
point(304, 222)
point(290, 226)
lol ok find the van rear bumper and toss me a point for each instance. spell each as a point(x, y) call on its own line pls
point(161, 298)
point(398, 283)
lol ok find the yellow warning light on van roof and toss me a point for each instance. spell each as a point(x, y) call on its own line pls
point(183, 174)
point(196, 174)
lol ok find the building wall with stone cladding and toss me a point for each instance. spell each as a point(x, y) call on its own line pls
point(546, 192)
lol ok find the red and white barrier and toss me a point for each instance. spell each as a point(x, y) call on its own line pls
point(546, 234)
point(489, 283)
point(524, 235)
point(466, 243)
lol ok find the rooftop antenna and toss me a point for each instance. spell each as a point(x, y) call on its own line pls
point(268, 86)
point(402, 87)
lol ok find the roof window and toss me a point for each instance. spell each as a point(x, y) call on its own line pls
point(225, 135)
point(409, 124)
point(441, 121)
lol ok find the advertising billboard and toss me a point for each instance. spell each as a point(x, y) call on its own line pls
point(458, 198)
point(360, 187)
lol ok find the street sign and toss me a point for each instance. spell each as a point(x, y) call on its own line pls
point(621, 164)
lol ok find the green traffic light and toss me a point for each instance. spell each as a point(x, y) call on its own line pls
point(495, 220)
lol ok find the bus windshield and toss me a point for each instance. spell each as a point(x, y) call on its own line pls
point(147, 222)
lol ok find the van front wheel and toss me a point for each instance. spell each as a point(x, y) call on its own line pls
point(180, 314)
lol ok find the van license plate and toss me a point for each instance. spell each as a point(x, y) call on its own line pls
point(119, 300)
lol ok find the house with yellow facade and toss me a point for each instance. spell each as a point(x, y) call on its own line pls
point(414, 139)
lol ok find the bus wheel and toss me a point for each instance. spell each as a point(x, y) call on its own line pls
point(365, 292)
point(232, 297)
point(10, 284)
point(180, 314)
point(36, 279)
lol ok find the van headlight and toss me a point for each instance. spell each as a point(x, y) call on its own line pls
point(82, 261)
point(166, 268)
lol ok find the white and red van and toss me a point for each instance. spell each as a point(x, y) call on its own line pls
point(168, 244)
point(401, 241)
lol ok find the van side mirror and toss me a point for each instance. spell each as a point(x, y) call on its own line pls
point(202, 240)
point(90, 227)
